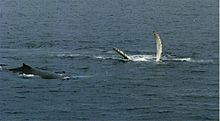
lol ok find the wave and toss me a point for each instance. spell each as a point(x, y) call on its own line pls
point(179, 59)
point(64, 77)
point(135, 58)
point(186, 59)
point(107, 57)
point(202, 61)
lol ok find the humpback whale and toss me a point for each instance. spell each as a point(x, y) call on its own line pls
point(158, 45)
point(26, 69)
point(158, 48)
point(125, 56)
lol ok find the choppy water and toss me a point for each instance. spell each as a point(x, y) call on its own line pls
point(75, 38)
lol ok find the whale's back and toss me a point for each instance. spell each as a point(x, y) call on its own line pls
point(26, 69)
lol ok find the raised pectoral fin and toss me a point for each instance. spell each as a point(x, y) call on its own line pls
point(125, 56)
point(158, 46)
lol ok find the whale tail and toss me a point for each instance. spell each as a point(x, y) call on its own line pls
point(158, 46)
point(125, 56)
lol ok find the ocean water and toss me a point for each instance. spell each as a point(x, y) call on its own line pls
point(75, 38)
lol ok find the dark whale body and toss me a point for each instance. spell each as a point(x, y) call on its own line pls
point(26, 69)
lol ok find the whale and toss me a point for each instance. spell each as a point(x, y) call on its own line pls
point(122, 54)
point(26, 69)
point(158, 46)
point(158, 49)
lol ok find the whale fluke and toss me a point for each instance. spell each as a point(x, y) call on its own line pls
point(26, 69)
point(158, 45)
point(125, 56)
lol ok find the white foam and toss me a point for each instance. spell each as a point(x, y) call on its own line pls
point(187, 60)
point(66, 77)
point(83, 76)
point(181, 59)
point(202, 61)
point(142, 57)
point(133, 57)
point(104, 57)
point(67, 55)
point(27, 75)
point(152, 58)
point(100, 57)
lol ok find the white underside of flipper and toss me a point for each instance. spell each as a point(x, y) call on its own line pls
point(158, 46)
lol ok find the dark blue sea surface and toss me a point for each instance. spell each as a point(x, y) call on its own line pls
point(75, 38)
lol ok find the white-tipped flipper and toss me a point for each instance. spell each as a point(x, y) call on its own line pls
point(125, 56)
point(159, 45)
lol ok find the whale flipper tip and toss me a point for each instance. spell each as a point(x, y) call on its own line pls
point(120, 52)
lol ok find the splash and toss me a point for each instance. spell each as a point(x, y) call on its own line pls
point(152, 58)
point(132, 58)
point(142, 57)
point(136, 58)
